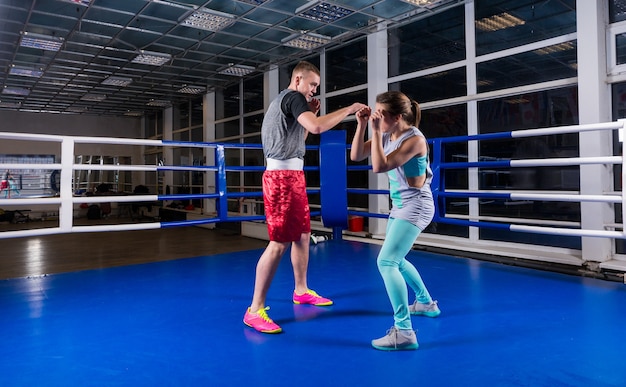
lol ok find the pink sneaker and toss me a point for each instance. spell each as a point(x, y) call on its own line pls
point(261, 321)
point(311, 298)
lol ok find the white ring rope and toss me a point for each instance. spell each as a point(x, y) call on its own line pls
point(66, 200)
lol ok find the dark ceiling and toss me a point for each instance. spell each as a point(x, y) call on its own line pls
point(85, 64)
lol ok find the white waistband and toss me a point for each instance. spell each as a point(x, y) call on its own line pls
point(294, 164)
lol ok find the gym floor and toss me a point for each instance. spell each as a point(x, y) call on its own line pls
point(178, 322)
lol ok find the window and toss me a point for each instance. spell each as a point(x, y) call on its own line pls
point(232, 157)
point(228, 129)
point(449, 121)
point(346, 66)
point(239, 113)
point(153, 127)
point(541, 65)
point(347, 99)
point(253, 94)
point(154, 181)
point(252, 124)
point(433, 87)
point(533, 110)
point(253, 180)
point(511, 23)
point(617, 11)
point(620, 48)
point(197, 112)
point(182, 117)
point(618, 91)
point(188, 126)
point(426, 43)
point(227, 102)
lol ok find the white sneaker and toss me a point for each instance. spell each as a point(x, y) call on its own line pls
point(396, 340)
point(428, 310)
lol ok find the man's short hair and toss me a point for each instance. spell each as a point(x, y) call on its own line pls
point(304, 66)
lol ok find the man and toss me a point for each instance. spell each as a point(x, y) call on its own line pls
point(288, 120)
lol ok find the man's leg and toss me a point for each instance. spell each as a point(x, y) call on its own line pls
point(274, 185)
point(265, 270)
point(300, 262)
point(256, 315)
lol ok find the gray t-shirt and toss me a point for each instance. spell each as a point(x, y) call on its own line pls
point(281, 135)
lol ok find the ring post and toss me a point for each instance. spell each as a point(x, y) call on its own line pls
point(334, 181)
point(438, 182)
point(66, 209)
point(220, 182)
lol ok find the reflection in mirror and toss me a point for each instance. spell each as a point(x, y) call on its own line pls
point(88, 180)
point(20, 183)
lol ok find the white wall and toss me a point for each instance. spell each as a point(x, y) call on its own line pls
point(70, 125)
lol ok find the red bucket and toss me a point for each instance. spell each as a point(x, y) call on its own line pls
point(355, 223)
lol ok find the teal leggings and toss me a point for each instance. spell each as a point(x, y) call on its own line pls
point(397, 272)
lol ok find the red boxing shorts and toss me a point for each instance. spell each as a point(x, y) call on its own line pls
point(286, 205)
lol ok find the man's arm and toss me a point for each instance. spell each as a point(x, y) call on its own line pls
point(317, 125)
point(360, 148)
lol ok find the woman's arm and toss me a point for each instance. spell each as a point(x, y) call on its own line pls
point(414, 146)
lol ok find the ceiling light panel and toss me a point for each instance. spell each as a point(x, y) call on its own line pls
point(323, 12)
point(159, 103)
point(41, 42)
point(253, 2)
point(81, 2)
point(15, 91)
point(422, 3)
point(308, 41)
point(93, 97)
point(25, 71)
point(192, 89)
point(9, 105)
point(117, 81)
point(237, 70)
point(152, 58)
point(76, 109)
point(207, 19)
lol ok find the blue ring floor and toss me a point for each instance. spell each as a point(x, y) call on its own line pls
point(179, 323)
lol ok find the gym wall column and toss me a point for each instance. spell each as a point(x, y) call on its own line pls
point(208, 124)
point(377, 75)
point(594, 107)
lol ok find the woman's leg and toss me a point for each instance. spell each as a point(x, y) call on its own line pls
point(393, 267)
point(414, 280)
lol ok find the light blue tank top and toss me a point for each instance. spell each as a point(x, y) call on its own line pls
point(415, 205)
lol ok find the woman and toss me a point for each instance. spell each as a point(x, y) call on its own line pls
point(399, 148)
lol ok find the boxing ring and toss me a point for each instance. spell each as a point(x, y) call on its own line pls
point(333, 189)
point(178, 321)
